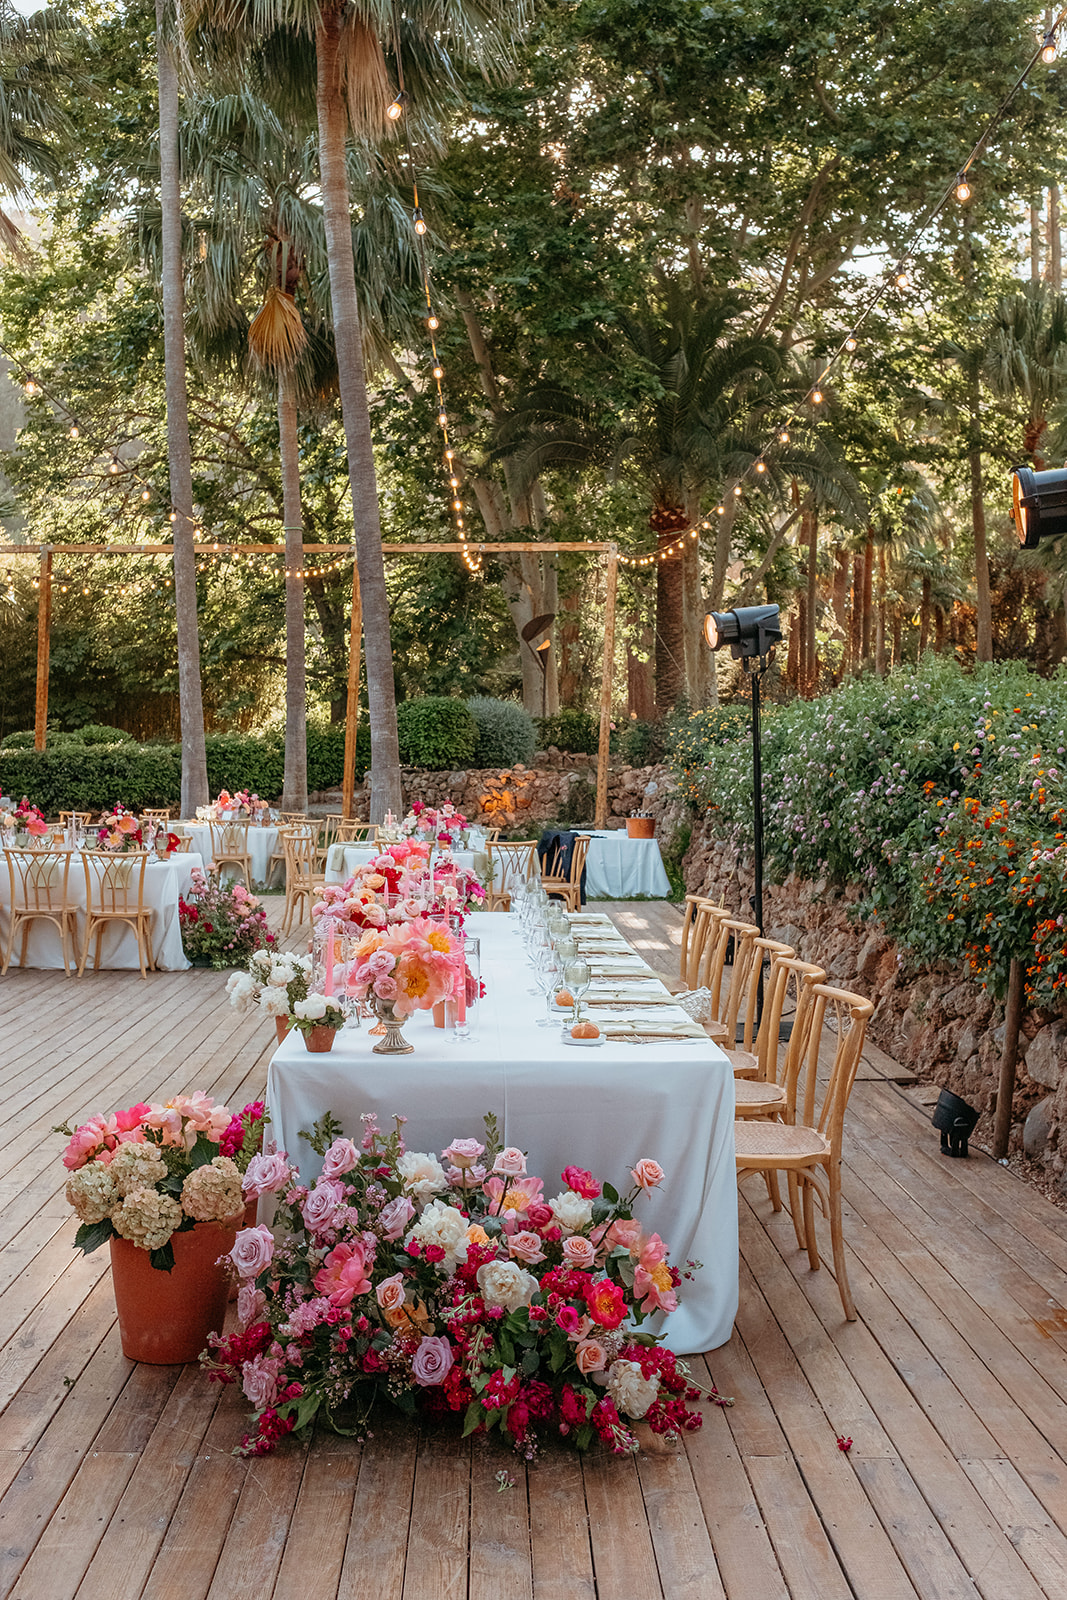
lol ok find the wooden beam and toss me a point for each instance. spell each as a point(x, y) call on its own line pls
point(589, 547)
point(348, 785)
point(44, 640)
point(606, 674)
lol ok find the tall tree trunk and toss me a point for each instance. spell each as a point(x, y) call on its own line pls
point(569, 635)
point(640, 686)
point(698, 658)
point(179, 453)
point(856, 640)
point(385, 792)
point(939, 629)
point(670, 628)
point(984, 606)
point(924, 616)
point(295, 781)
point(898, 632)
point(868, 588)
point(1035, 242)
point(879, 628)
point(840, 594)
point(1055, 243)
point(811, 534)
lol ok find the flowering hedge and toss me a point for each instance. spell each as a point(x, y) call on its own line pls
point(877, 783)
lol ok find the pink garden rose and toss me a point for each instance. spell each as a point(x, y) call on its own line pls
point(581, 1182)
point(648, 1174)
point(395, 1217)
point(591, 1356)
point(511, 1162)
point(432, 1361)
point(624, 1231)
point(253, 1251)
point(250, 1304)
point(265, 1175)
point(463, 1152)
point(390, 1292)
point(578, 1253)
point(321, 1204)
point(341, 1157)
point(526, 1247)
point(259, 1380)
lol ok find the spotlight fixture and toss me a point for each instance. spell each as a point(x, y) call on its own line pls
point(395, 109)
point(1039, 505)
point(749, 631)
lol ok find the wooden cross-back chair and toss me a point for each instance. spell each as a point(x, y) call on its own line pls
point(567, 888)
point(787, 995)
point(510, 864)
point(303, 876)
point(806, 1143)
point(155, 814)
point(40, 892)
point(114, 893)
point(80, 819)
point(229, 848)
point(752, 956)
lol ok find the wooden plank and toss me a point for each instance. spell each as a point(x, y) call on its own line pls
point(559, 1533)
point(1038, 1540)
point(685, 1559)
point(322, 1519)
point(68, 1542)
point(624, 1558)
point(439, 1529)
point(197, 1531)
point(501, 1562)
point(375, 1562)
point(255, 1539)
point(807, 1559)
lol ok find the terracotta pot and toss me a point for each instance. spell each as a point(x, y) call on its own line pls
point(641, 827)
point(319, 1040)
point(439, 1014)
point(165, 1317)
point(281, 1027)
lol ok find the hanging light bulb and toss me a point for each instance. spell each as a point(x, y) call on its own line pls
point(74, 432)
point(146, 494)
point(442, 419)
point(433, 323)
point(29, 386)
point(783, 437)
point(114, 467)
point(1048, 49)
point(851, 343)
point(761, 466)
point(963, 190)
point(816, 397)
point(438, 371)
point(395, 109)
point(737, 490)
point(720, 511)
point(450, 455)
point(454, 482)
point(900, 276)
point(457, 505)
point(172, 516)
point(419, 220)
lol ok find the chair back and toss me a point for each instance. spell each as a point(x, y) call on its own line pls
point(692, 901)
point(81, 818)
point(787, 994)
point(154, 814)
point(228, 839)
point(510, 864)
point(846, 1015)
point(713, 965)
point(581, 850)
point(301, 854)
point(114, 880)
point(38, 879)
point(351, 831)
point(702, 945)
point(751, 955)
point(286, 818)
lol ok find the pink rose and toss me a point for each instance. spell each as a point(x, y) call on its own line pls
point(567, 1319)
point(250, 1303)
point(578, 1253)
point(432, 1362)
point(395, 1217)
point(581, 1182)
point(526, 1247)
point(386, 988)
point(259, 1380)
point(647, 1174)
point(321, 1204)
point(591, 1356)
point(265, 1175)
point(463, 1152)
point(511, 1162)
point(624, 1231)
point(125, 1121)
point(341, 1157)
point(539, 1215)
point(390, 1292)
point(253, 1251)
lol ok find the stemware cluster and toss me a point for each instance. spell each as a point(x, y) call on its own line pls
point(560, 970)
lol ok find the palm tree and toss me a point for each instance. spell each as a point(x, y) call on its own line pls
point(194, 790)
point(352, 92)
point(1026, 357)
point(36, 54)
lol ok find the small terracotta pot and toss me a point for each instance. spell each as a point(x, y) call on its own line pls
point(319, 1040)
point(641, 827)
point(282, 1026)
point(165, 1317)
point(439, 1014)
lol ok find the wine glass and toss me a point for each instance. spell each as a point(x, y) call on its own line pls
point(547, 982)
point(577, 977)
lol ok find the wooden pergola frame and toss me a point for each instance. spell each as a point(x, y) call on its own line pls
point(46, 552)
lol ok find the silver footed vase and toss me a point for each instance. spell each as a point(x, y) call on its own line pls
point(393, 1042)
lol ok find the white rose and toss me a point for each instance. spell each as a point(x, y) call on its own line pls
point(313, 1009)
point(275, 1002)
point(504, 1283)
point(445, 1226)
point(572, 1211)
point(631, 1391)
point(422, 1174)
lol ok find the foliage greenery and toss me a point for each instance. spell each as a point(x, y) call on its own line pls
point(574, 731)
point(506, 732)
point(436, 732)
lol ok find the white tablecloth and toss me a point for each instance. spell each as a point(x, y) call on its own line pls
point(262, 843)
point(602, 1108)
point(343, 859)
point(618, 867)
point(164, 881)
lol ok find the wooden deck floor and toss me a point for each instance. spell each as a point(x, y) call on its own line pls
point(117, 1482)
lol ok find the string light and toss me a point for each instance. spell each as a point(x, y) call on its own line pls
point(419, 220)
point(783, 437)
point(816, 397)
point(395, 109)
point(1048, 48)
point(851, 343)
point(963, 190)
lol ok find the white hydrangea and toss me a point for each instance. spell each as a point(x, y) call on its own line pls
point(137, 1166)
point(147, 1218)
point(443, 1225)
point(212, 1193)
point(572, 1211)
point(631, 1391)
point(422, 1174)
point(92, 1193)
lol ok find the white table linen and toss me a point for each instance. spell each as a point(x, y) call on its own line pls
point(343, 859)
point(164, 881)
point(262, 843)
point(603, 1108)
point(618, 867)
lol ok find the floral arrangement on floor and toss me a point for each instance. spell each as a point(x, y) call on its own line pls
point(443, 825)
point(25, 818)
point(413, 964)
point(151, 1171)
point(221, 926)
point(119, 829)
point(275, 981)
point(451, 1286)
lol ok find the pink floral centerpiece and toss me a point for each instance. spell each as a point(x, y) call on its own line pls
point(410, 965)
point(453, 1286)
point(119, 829)
point(25, 818)
point(443, 826)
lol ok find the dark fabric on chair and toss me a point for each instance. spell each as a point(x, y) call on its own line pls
point(555, 852)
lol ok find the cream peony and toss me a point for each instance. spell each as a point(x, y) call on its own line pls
point(504, 1284)
point(631, 1391)
point(274, 1001)
point(572, 1211)
point(313, 1009)
point(241, 988)
point(92, 1192)
point(422, 1174)
point(445, 1226)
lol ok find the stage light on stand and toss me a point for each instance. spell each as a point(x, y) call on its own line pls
point(1039, 505)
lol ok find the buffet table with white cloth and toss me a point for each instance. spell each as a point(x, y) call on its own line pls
point(602, 1107)
point(262, 843)
point(618, 867)
point(164, 881)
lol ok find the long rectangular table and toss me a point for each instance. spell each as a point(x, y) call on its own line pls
point(603, 1108)
point(164, 881)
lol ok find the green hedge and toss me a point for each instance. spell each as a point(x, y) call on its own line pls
point(506, 732)
point(575, 731)
point(436, 732)
point(75, 777)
